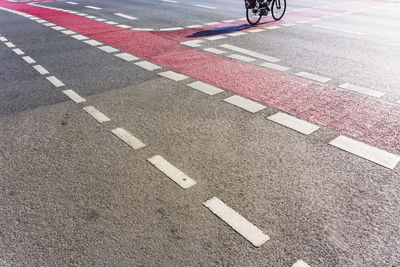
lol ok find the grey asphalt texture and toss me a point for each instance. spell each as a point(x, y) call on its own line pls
point(73, 194)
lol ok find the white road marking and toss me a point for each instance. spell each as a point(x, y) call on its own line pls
point(123, 26)
point(169, 1)
point(193, 43)
point(244, 103)
point(288, 24)
point(54, 81)
point(79, 37)
point(111, 22)
point(237, 222)
point(9, 44)
point(29, 60)
point(147, 65)
point(204, 6)
point(72, 12)
point(398, 102)
point(300, 263)
point(339, 30)
point(92, 42)
point(171, 29)
point(71, 3)
point(205, 88)
point(313, 77)
point(241, 58)
point(362, 90)
point(68, 32)
point(365, 151)
point(91, 17)
point(229, 20)
point(128, 138)
point(294, 123)
point(40, 69)
point(194, 26)
point(58, 28)
point(274, 66)
point(214, 51)
point(49, 24)
point(172, 172)
point(126, 56)
point(173, 76)
point(303, 21)
point(82, 14)
point(94, 7)
point(234, 34)
point(3, 39)
point(314, 19)
point(256, 30)
point(18, 51)
point(211, 23)
point(74, 96)
point(125, 16)
point(272, 27)
point(100, 19)
point(97, 115)
point(214, 38)
point(250, 53)
point(108, 49)
point(143, 29)
point(41, 21)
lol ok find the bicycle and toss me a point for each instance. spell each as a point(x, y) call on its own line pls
point(254, 12)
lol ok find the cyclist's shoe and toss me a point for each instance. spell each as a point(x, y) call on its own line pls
point(264, 6)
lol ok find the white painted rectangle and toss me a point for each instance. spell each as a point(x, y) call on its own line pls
point(313, 77)
point(193, 43)
point(339, 30)
point(111, 22)
point(108, 49)
point(147, 65)
point(58, 28)
point(172, 172)
point(92, 42)
point(211, 23)
point(244, 103)
point(171, 29)
point(205, 88)
point(100, 19)
point(97, 115)
point(3, 39)
point(300, 263)
point(362, 90)
point(18, 51)
point(204, 6)
point(126, 57)
point(250, 53)
point(94, 7)
point(288, 24)
point(125, 16)
point(242, 226)
point(128, 138)
point(274, 66)
point(214, 50)
point(68, 32)
point(56, 82)
point(272, 27)
point(234, 34)
point(49, 24)
point(74, 96)
point(194, 26)
point(229, 20)
point(91, 17)
point(41, 21)
point(79, 37)
point(173, 76)
point(82, 14)
point(40, 69)
point(123, 26)
point(365, 151)
point(9, 44)
point(143, 29)
point(29, 60)
point(256, 30)
point(294, 123)
point(241, 58)
point(214, 38)
point(71, 3)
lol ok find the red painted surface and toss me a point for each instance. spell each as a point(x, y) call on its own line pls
point(367, 119)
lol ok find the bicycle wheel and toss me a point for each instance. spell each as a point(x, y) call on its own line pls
point(278, 9)
point(253, 15)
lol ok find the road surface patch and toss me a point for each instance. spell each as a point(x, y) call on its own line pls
point(97, 115)
point(313, 77)
point(274, 66)
point(172, 172)
point(92, 42)
point(29, 60)
point(244, 103)
point(18, 51)
point(362, 90)
point(300, 263)
point(214, 50)
point(294, 123)
point(365, 151)
point(242, 226)
point(147, 65)
point(40, 69)
point(74, 96)
point(128, 138)
point(54, 81)
point(126, 57)
point(108, 49)
point(241, 58)
point(250, 53)
point(173, 76)
point(205, 88)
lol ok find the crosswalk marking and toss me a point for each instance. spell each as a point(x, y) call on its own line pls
point(193, 43)
point(74, 96)
point(128, 138)
point(9, 44)
point(294, 123)
point(250, 53)
point(97, 115)
point(245, 103)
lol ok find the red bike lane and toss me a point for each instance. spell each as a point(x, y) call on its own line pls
point(371, 120)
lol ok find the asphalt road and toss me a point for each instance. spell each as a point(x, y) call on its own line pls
point(73, 193)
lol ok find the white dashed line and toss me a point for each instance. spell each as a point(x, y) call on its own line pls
point(272, 27)
point(303, 21)
point(97, 115)
point(294, 123)
point(40, 69)
point(365, 151)
point(241, 58)
point(339, 30)
point(172, 172)
point(3, 39)
point(237, 222)
point(82, 14)
point(79, 37)
point(205, 88)
point(128, 138)
point(68, 32)
point(18, 51)
point(92, 42)
point(123, 26)
point(214, 38)
point(9, 44)
point(214, 50)
point(71, 3)
point(126, 57)
point(204, 6)
point(244, 103)
point(49, 24)
point(100, 19)
point(108, 49)
point(362, 90)
point(74, 96)
point(171, 29)
point(288, 24)
point(274, 66)
point(250, 53)
point(54, 81)
point(193, 43)
point(300, 263)
point(94, 7)
point(235, 34)
point(125, 16)
point(212, 23)
point(229, 20)
point(194, 26)
point(58, 28)
point(91, 17)
point(29, 60)
point(111, 22)
point(256, 30)
point(173, 76)
point(313, 77)
point(142, 29)
point(147, 65)
point(41, 21)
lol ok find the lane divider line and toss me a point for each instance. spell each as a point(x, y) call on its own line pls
point(250, 53)
point(128, 138)
point(110, 22)
point(204, 6)
point(125, 16)
point(300, 263)
point(9, 44)
point(49, 24)
point(313, 77)
point(97, 115)
point(74, 96)
point(172, 172)
point(205, 88)
point(54, 81)
point(18, 51)
point(126, 57)
point(29, 60)
point(72, 3)
point(194, 26)
point(94, 7)
point(362, 90)
point(40, 69)
point(256, 30)
point(244, 103)
point(337, 29)
point(293, 123)
point(379, 156)
point(171, 29)
point(173, 75)
point(242, 226)
point(147, 65)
